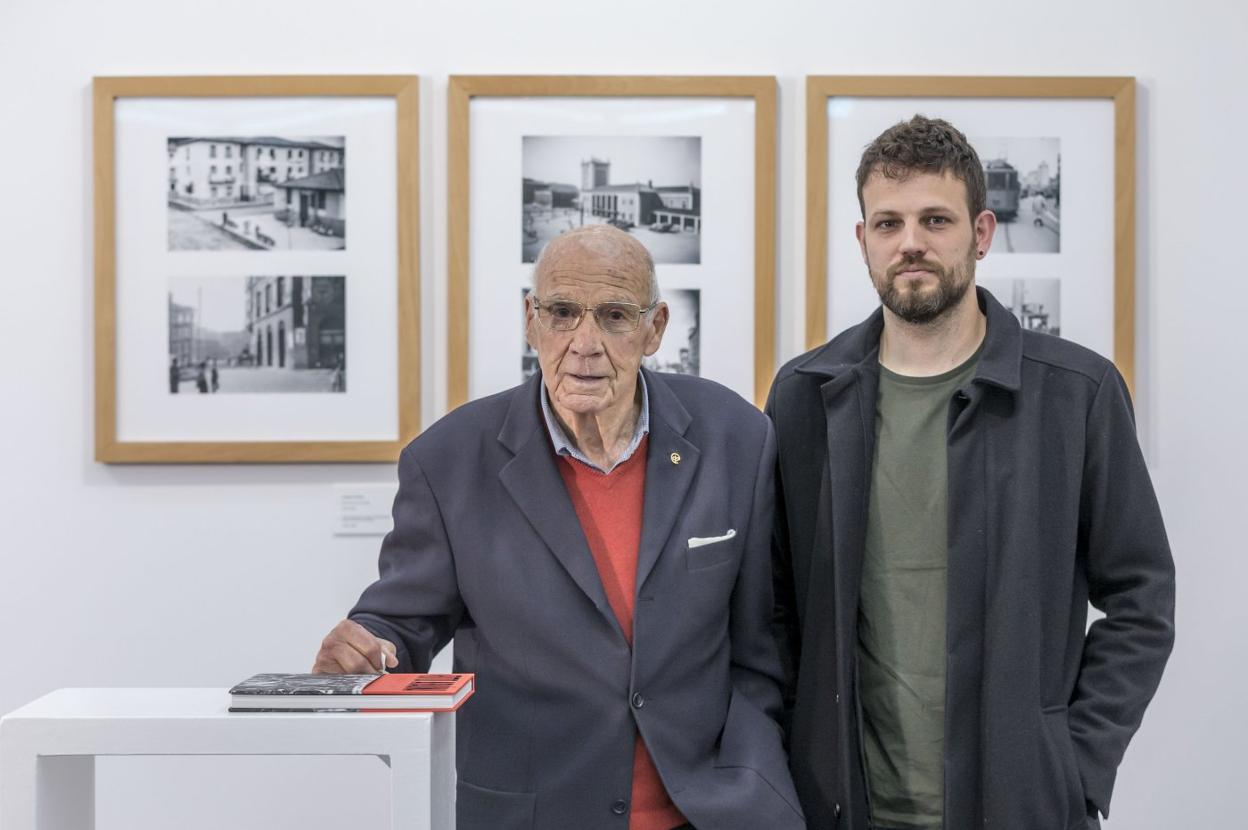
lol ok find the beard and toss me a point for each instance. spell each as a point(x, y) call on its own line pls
point(928, 303)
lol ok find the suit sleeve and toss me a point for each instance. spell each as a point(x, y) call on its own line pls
point(755, 663)
point(416, 602)
point(1131, 579)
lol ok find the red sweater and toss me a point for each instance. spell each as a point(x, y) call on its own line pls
point(610, 509)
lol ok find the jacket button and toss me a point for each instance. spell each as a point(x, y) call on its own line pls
point(619, 807)
point(638, 700)
point(836, 811)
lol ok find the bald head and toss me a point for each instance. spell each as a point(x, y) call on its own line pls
point(601, 249)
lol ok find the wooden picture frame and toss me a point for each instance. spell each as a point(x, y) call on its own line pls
point(550, 92)
point(290, 225)
point(843, 95)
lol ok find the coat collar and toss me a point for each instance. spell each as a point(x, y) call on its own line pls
point(671, 467)
point(858, 347)
point(524, 414)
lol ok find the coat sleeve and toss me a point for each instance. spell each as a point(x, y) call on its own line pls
point(416, 602)
point(755, 665)
point(1131, 579)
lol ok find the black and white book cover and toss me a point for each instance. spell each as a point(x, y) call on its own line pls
point(304, 684)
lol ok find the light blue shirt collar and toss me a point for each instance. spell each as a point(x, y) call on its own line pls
point(564, 447)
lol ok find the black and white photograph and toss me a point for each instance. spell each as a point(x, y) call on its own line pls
point(257, 334)
point(1036, 301)
point(257, 193)
point(1024, 177)
point(679, 352)
point(528, 359)
point(649, 186)
point(528, 354)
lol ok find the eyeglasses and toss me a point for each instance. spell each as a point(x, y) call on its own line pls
point(613, 317)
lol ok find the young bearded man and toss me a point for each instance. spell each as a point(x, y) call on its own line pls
point(953, 492)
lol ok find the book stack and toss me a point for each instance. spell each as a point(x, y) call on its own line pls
point(351, 693)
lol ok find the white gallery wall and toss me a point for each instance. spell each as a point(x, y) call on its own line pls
point(199, 575)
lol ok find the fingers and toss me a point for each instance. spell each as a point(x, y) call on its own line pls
point(341, 659)
point(389, 654)
point(351, 649)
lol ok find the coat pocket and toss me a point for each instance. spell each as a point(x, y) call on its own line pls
point(482, 808)
point(707, 551)
point(1062, 750)
point(753, 741)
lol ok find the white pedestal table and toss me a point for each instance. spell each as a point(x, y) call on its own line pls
point(48, 749)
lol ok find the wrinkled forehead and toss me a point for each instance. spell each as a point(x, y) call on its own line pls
point(579, 268)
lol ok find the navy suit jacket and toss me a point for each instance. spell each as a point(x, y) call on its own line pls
point(487, 548)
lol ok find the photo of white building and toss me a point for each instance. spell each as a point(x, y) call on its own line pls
point(257, 193)
point(648, 186)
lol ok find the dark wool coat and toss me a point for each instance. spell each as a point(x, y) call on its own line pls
point(487, 548)
point(1050, 506)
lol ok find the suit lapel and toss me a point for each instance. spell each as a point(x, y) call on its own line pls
point(671, 466)
point(533, 481)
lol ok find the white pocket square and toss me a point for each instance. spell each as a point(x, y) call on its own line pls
point(700, 541)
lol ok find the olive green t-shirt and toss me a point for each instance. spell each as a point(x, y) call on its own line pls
point(901, 612)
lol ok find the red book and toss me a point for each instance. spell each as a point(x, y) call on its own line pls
point(351, 692)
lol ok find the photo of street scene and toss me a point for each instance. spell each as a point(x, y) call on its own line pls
point(1024, 177)
point(650, 186)
point(679, 351)
point(1035, 301)
point(528, 360)
point(257, 334)
point(257, 193)
point(528, 355)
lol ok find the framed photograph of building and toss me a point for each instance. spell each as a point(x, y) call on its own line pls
point(1059, 163)
point(249, 306)
point(685, 164)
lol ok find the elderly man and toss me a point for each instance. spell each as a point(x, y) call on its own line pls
point(597, 541)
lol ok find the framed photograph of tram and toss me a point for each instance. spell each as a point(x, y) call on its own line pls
point(1059, 162)
point(256, 280)
point(684, 164)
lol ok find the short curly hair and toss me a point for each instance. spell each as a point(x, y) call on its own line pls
point(925, 145)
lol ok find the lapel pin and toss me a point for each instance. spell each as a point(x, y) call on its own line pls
point(675, 458)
